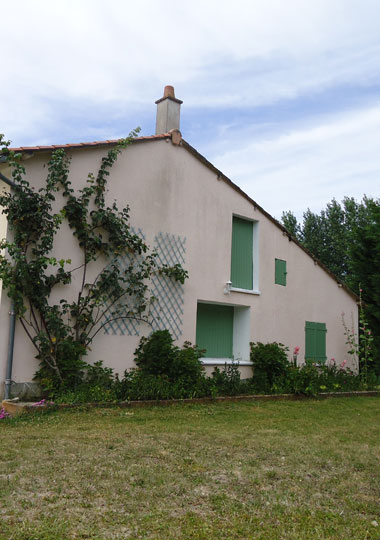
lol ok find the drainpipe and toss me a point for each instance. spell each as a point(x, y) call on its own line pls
point(7, 181)
point(12, 325)
point(11, 343)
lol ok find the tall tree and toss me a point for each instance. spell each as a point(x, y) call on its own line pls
point(291, 224)
point(346, 239)
point(365, 262)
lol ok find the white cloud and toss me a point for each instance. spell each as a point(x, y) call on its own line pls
point(124, 51)
point(310, 166)
point(87, 62)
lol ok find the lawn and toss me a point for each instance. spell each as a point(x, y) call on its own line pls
point(248, 470)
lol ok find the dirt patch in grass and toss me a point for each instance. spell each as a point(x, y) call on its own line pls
point(273, 470)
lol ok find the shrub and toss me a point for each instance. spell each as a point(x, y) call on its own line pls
point(305, 379)
point(137, 385)
point(186, 364)
point(87, 394)
point(165, 371)
point(227, 382)
point(311, 379)
point(156, 355)
point(269, 362)
point(373, 380)
point(99, 375)
point(98, 384)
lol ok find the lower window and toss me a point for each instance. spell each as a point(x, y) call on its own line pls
point(315, 342)
point(215, 330)
point(224, 332)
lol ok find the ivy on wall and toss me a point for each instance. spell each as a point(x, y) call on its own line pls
point(31, 269)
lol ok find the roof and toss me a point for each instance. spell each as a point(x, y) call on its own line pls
point(176, 138)
point(110, 142)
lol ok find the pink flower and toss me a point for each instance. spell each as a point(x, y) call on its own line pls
point(343, 364)
point(332, 361)
point(296, 351)
point(42, 403)
point(39, 403)
point(3, 413)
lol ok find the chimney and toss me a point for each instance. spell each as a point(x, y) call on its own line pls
point(168, 111)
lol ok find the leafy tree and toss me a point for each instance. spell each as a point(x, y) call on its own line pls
point(346, 238)
point(365, 261)
point(312, 234)
point(329, 235)
point(269, 361)
point(291, 224)
point(63, 332)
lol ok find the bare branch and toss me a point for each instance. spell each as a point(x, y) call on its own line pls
point(23, 324)
point(90, 339)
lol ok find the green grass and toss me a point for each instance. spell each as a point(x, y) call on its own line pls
point(269, 470)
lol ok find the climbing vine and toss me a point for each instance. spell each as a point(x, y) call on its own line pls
point(63, 331)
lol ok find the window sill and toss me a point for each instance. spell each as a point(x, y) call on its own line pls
point(223, 361)
point(246, 291)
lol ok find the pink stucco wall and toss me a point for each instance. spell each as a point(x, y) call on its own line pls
point(170, 191)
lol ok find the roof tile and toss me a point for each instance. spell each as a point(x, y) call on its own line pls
point(85, 144)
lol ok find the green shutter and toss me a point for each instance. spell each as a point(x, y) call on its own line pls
point(310, 345)
point(215, 330)
point(241, 254)
point(280, 272)
point(315, 342)
point(320, 340)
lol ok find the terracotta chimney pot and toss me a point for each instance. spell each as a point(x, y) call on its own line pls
point(169, 92)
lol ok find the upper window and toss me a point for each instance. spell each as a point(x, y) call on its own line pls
point(242, 254)
point(315, 342)
point(280, 272)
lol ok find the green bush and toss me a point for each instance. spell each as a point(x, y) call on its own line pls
point(99, 375)
point(301, 380)
point(69, 354)
point(273, 373)
point(269, 362)
point(165, 371)
point(137, 385)
point(372, 380)
point(311, 379)
point(227, 382)
point(186, 364)
point(98, 384)
point(156, 355)
point(87, 394)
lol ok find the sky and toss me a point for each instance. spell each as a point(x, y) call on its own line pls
point(283, 97)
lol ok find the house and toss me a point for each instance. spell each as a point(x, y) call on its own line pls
point(249, 280)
